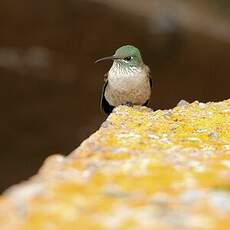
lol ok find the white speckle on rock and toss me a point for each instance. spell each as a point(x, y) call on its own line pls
point(227, 147)
point(182, 103)
point(220, 200)
point(226, 163)
point(153, 136)
point(202, 105)
point(193, 139)
point(189, 197)
point(25, 191)
point(161, 199)
point(120, 150)
point(52, 162)
point(129, 135)
point(201, 130)
point(197, 166)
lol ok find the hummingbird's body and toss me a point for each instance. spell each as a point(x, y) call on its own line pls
point(127, 86)
point(128, 81)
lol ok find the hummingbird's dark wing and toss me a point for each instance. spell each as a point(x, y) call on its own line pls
point(104, 104)
point(150, 82)
point(149, 76)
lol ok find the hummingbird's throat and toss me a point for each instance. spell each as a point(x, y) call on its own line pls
point(124, 69)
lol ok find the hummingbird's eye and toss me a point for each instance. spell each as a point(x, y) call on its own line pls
point(128, 58)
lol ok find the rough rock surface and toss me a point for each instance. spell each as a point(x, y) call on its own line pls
point(141, 170)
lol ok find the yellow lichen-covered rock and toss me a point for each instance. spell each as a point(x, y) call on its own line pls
point(141, 170)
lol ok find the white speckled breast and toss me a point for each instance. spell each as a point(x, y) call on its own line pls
point(130, 85)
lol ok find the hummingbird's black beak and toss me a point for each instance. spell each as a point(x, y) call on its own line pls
point(107, 58)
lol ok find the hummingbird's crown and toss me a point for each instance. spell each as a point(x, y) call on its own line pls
point(127, 50)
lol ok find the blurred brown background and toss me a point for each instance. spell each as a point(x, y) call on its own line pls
point(50, 86)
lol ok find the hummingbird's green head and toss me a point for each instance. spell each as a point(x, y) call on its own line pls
point(127, 56)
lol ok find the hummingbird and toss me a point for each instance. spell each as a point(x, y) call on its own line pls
point(128, 82)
